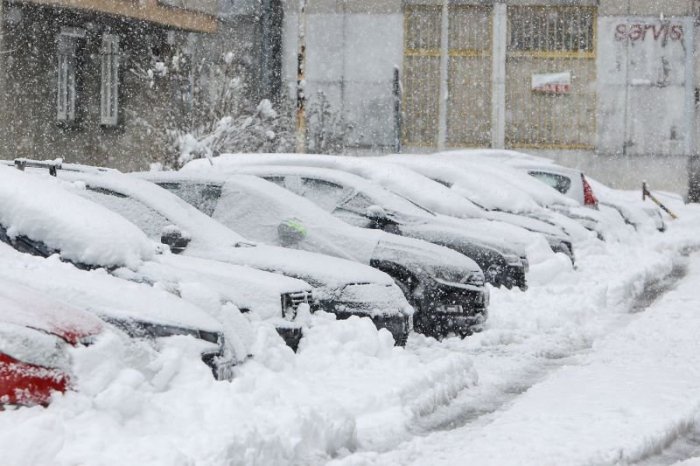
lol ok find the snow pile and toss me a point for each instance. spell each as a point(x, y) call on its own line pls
point(347, 388)
point(636, 393)
point(641, 375)
point(38, 208)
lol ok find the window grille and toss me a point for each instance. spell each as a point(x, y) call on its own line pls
point(109, 89)
point(551, 30)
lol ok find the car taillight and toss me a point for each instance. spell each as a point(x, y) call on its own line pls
point(22, 383)
point(589, 198)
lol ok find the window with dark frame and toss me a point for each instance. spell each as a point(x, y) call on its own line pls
point(67, 95)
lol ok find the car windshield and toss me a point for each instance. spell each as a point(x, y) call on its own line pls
point(148, 220)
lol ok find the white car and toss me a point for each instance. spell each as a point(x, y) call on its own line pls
point(576, 185)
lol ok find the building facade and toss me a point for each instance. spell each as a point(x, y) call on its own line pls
point(605, 76)
point(101, 81)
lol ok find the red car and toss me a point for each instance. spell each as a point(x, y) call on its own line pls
point(35, 332)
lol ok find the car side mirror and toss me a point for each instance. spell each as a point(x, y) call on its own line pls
point(377, 216)
point(375, 212)
point(291, 232)
point(175, 239)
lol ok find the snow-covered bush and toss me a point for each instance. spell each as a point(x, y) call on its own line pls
point(211, 110)
point(326, 127)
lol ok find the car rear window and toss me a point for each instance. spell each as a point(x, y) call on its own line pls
point(559, 182)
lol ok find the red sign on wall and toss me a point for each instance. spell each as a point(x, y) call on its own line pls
point(552, 83)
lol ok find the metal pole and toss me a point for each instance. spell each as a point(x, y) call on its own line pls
point(397, 109)
point(301, 80)
point(498, 76)
point(689, 110)
point(444, 70)
point(3, 58)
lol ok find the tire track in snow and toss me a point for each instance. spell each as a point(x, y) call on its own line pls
point(477, 404)
point(680, 444)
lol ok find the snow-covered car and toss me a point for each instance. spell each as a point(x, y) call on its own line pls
point(503, 264)
point(482, 171)
point(413, 187)
point(445, 287)
point(576, 185)
point(53, 221)
point(35, 332)
point(137, 309)
point(199, 240)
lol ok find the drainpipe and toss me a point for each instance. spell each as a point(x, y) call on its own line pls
point(444, 77)
point(691, 102)
point(498, 76)
point(3, 59)
point(301, 81)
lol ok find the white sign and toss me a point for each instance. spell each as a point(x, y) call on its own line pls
point(552, 83)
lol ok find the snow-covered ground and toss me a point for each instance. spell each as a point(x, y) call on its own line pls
point(580, 369)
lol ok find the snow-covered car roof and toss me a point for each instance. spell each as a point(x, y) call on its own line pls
point(23, 306)
point(520, 191)
point(82, 231)
point(388, 199)
point(499, 155)
point(357, 171)
point(401, 183)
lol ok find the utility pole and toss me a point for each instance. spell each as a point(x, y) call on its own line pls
point(301, 80)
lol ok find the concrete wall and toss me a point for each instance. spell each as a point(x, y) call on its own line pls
point(645, 85)
point(351, 56)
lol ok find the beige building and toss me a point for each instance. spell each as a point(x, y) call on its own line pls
point(605, 76)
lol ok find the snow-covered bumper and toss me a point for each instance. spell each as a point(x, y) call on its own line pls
point(384, 304)
point(448, 308)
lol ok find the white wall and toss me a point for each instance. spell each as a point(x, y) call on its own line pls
point(645, 89)
point(351, 58)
